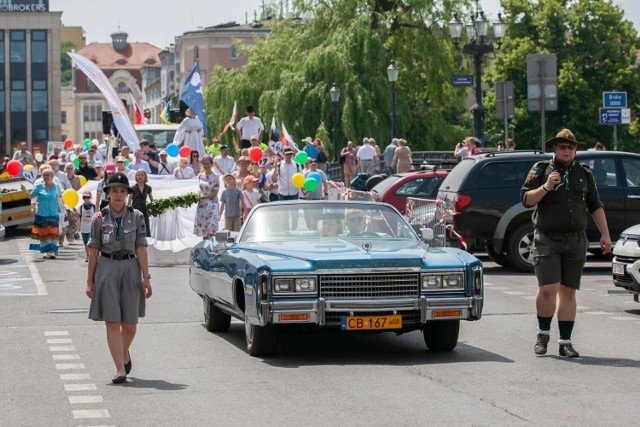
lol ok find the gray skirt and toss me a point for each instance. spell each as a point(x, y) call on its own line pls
point(118, 295)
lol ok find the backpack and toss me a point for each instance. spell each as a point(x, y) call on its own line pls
point(322, 157)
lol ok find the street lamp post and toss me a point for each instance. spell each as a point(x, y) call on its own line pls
point(478, 44)
point(334, 92)
point(392, 74)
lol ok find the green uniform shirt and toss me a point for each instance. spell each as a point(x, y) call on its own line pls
point(564, 209)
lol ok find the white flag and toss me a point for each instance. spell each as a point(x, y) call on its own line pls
point(120, 114)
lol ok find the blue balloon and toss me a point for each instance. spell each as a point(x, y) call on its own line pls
point(85, 149)
point(316, 176)
point(173, 150)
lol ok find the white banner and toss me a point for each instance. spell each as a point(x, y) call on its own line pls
point(120, 114)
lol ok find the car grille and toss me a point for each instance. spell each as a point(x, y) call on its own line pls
point(626, 278)
point(334, 318)
point(370, 286)
point(626, 260)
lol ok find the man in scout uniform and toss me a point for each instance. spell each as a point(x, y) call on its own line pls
point(562, 191)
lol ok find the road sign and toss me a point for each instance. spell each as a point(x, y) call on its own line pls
point(614, 99)
point(505, 104)
point(462, 80)
point(615, 116)
point(542, 89)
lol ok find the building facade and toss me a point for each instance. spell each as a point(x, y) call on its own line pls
point(29, 74)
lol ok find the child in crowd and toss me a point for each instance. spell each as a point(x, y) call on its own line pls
point(231, 199)
point(250, 194)
point(87, 209)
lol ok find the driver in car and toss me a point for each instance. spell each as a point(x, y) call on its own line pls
point(356, 222)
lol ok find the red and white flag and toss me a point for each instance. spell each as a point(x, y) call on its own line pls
point(139, 119)
point(287, 139)
point(232, 120)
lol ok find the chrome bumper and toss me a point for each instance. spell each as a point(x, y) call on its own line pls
point(470, 308)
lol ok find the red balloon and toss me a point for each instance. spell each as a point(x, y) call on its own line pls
point(255, 154)
point(68, 143)
point(14, 167)
point(185, 151)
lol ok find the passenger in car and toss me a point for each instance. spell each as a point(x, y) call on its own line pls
point(330, 227)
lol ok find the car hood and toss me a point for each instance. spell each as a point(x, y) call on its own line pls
point(350, 254)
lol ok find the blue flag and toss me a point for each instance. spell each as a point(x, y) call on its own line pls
point(192, 96)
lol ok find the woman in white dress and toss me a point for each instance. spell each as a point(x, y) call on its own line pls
point(190, 133)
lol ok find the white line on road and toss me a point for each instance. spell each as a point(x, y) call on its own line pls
point(74, 377)
point(90, 413)
point(42, 289)
point(65, 356)
point(623, 318)
point(80, 387)
point(85, 399)
point(56, 333)
point(59, 341)
point(598, 312)
point(514, 292)
point(69, 366)
point(62, 348)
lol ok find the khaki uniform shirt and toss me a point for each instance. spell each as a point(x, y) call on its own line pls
point(110, 235)
point(563, 209)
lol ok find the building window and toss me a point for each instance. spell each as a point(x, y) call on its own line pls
point(40, 135)
point(18, 97)
point(63, 120)
point(91, 88)
point(92, 113)
point(39, 96)
point(17, 47)
point(196, 54)
point(234, 52)
point(122, 87)
point(38, 46)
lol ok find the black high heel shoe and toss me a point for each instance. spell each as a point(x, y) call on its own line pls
point(127, 366)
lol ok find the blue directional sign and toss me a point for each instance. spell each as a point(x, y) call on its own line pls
point(614, 99)
point(461, 80)
point(615, 116)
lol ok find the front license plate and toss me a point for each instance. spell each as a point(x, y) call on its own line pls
point(618, 268)
point(368, 323)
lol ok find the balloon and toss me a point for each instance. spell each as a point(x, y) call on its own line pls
point(316, 176)
point(70, 198)
point(68, 143)
point(85, 149)
point(297, 180)
point(255, 154)
point(76, 162)
point(185, 151)
point(126, 162)
point(310, 184)
point(301, 157)
point(87, 142)
point(28, 167)
point(173, 150)
point(83, 180)
point(39, 157)
point(14, 167)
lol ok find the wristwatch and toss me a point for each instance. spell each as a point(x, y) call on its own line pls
point(147, 276)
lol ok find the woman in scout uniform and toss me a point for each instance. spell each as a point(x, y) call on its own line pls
point(118, 279)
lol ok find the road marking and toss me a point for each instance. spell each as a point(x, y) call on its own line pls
point(59, 341)
point(623, 318)
point(65, 356)
point(85, 399)
point(56, 333)
point(62, 348)
point(598, 312)
point(69, 366)
point(582, 308)
point(90, 413)
point(514, 292)
point(529, 297)
point(35, 275)
point(80, 387)
point(74, 377)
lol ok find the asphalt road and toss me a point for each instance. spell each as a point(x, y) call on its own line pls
point(56, 368)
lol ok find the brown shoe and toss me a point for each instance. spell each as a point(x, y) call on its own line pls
point(567, 350)
point(541, 344)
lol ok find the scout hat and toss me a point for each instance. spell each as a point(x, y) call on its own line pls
point(565, 135)
point(118, 179)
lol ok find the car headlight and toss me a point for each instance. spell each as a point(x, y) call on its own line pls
point(442, 281)
point(284, 285)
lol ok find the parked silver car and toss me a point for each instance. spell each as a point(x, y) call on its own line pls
point(626, 262)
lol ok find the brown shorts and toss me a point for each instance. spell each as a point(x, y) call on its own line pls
point(559, 259)
point(349, 169)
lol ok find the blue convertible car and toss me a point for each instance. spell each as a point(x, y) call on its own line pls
point(348, 266)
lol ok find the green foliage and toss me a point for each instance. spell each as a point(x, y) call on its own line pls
point(596, 51)
point(351, 42)
point(159, 206)
point(65, 62)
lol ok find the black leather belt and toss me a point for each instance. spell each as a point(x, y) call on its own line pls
point(117, 256)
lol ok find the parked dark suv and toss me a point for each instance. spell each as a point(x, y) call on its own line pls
point(484, 191)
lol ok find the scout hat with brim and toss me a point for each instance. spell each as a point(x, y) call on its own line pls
point(565, 135)
point(118, 179)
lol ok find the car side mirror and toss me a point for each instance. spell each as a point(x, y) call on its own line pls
point(427, 234)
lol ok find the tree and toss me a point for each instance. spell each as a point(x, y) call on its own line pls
point(596, 51)
point(65, 62)
point(350, 42)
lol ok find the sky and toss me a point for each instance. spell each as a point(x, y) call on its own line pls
point(159, 21)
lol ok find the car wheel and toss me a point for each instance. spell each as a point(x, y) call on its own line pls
point(261, 340)
point(520, 247)
point(441, 335)
point(214, 318)
point(498, 258)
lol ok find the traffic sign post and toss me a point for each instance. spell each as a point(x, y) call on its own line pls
point(505, 104)
point(542, 89)
point(614, 112)
point(614, 99)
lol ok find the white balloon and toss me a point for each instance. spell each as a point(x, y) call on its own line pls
point(39, 157)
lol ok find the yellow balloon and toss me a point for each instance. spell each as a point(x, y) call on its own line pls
point(70, 198)
point(28, 167)
point(297, 179)
point(83, 180)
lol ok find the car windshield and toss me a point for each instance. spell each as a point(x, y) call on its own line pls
point(385, 183)
point(160, 137)
point(296, 221)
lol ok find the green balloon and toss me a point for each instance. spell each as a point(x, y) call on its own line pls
point(126, 163)
point(76, 162)
point(301, 157)
point(310, 184)
point(87, 142)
